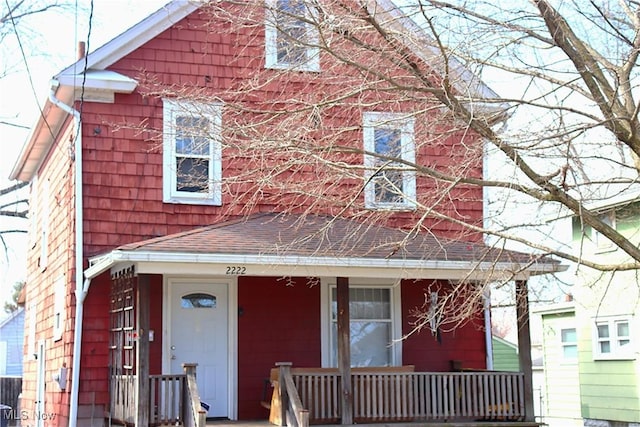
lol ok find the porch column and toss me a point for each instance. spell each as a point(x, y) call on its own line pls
point(142, 351)
point(344, 349)
point(524, 345)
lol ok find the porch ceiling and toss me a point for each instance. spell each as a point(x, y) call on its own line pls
point(272, 244)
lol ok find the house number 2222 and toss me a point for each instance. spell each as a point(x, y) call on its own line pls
point(236, 270)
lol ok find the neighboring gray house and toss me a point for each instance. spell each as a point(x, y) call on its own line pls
point(12, 344)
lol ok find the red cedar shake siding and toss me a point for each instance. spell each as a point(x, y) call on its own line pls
point(53, 188)
point(123, 169)
point(273, 329)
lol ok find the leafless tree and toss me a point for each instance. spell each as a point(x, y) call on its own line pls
point(19, 42)
point(562, 122)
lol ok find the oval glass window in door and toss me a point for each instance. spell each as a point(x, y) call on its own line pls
point(198, 300)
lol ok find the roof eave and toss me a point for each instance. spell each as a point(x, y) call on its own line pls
point(42, 135)
point(260, 264)
point(134, 37)
point(98, 86)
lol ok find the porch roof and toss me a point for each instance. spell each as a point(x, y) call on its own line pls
point(313, 245)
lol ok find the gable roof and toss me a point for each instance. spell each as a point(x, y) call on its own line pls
point(312, 244)
point(99, 84)
point(12, 316)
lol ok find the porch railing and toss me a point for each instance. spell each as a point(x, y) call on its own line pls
point(413, 396)
point(173, 399)
point(166, 399)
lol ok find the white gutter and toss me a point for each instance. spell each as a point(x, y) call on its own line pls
point(82, 286)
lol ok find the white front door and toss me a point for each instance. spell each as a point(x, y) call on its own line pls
point(199, 333)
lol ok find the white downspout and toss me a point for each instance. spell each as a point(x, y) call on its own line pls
point(488, 337)
point(82, 285)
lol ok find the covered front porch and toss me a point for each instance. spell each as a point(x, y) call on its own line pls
point(285, 292)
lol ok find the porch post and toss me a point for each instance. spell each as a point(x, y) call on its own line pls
point(524, 345)
point(344, 349)
point(142, 351)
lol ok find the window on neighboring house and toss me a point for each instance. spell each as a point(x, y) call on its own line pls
point(44, 225)
point(58, 308)
point(290, 37)
point(192, 150)
point(612, 339)
point(389, 184)
point(371, 326)
point(569, 343)
point(601, 241)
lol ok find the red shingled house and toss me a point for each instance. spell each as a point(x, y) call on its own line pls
point(153, 246)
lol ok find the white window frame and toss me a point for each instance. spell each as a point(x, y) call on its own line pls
point(45, 213)
point(59, 289)
point(618, 351)
point(32, 214)
point(31, 333)
point(565, 344)
point(603, 244)
point(312, 57)
point(405, 124)
point(326, 321)
point(172, 109)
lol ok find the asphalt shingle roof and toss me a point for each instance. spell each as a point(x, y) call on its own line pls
point(323, 236)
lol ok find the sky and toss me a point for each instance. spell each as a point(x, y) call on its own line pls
point(49, 45)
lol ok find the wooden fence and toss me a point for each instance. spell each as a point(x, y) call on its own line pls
point(10, 389)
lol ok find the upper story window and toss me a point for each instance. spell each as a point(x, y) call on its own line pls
point(390, 184)
point(601, 241)
point(612, 339)
point(45, 213)
point(291, 38)
point(192, 151)
point(569, 341)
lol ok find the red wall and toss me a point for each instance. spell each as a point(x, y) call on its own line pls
point(430, 353)
point(278, 321)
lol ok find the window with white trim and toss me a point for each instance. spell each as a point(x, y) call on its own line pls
point(58, 307)
point(44, 225)
point(569, 342)
point(371, 326)
point(603, 243)
point(31, 334)
point(192, 152)
point(390, 184)
point(612, 338)
point(291, 38)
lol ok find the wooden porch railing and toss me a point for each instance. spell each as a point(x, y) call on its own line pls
point(173, 399)
point(409, 396)
point(166, 399)
point(194, 415)
point(123, 399)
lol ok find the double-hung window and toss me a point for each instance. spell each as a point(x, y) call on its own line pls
point(291, 38)
point(612, 338)
point(389, 154)
point(373, 326)
point(569, 342)
point(192, 150)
